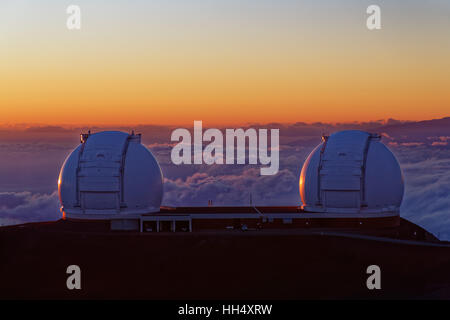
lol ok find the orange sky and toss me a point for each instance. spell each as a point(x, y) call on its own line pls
point(173, 67)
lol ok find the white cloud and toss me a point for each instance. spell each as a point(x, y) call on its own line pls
point(20, 207)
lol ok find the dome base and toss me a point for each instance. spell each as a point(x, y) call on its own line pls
point(352, 211)
point(79, 214)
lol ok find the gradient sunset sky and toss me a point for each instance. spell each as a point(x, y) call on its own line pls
point(222, 61)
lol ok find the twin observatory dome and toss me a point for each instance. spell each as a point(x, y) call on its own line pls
point(111, 174)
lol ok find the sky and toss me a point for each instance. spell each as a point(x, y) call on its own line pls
point(223, 62)
point(305, 67)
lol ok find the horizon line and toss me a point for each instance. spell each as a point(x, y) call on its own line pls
point(31, 125)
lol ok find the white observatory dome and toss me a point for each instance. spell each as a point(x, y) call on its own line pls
point(109, 174)
point(351, 172)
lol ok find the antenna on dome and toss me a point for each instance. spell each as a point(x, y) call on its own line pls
point(84, 136)
point(375, 136)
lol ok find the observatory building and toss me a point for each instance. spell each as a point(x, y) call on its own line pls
point(110, 175)
point(351, 172)
point(350, 180)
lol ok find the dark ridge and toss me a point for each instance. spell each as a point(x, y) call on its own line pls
point(311, 264)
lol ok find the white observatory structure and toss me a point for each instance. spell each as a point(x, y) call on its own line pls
point(351, 172)
point(110, 175)
point(350, 180)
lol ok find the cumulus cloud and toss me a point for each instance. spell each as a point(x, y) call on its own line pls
point(20, 207)
point(411, 144)
point(427, 195)
point(439, 143)
point(233, 189)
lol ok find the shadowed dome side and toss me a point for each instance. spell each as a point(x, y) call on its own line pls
point(110, 173)
point(351, 172)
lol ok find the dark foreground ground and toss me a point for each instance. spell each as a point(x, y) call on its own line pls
point(309, 264)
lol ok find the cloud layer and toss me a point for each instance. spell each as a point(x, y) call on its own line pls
point(31, 160)
point(19, 207)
